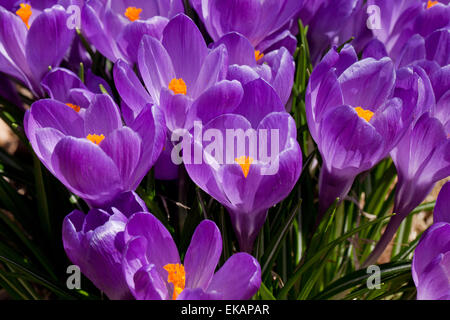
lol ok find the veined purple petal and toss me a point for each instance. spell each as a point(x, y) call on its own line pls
point(442, 208)
point(50, 25)
point(102, 117)
point(86, 170)
point(203, 255)
point(238, 279)
point(148, 284)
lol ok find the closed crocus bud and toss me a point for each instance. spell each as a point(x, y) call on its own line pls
point(265, 24)
point(116, 27)
point(353, 117)
point(153, 269)
point(95, 243)
point(92, 153)
point(248, 159)
point(431, 262)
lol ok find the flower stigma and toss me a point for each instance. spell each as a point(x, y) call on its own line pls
point(25, 13)
point(365, 114)
point(245, 163)
point(94, 138)
point(178, 86)
point(132, 13)
point(74, 107)
point(258, 55)
point(177, 276)
point(431, 3)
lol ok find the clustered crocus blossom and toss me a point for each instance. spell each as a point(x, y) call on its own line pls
point(116, 27)
point(246, 185)
point(227, 101)
point(92, 153)
point(431, 262)
point(153, 269)
point(353, 117)
point(30, 43)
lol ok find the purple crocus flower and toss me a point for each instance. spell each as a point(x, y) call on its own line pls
point(116, 27)
point(326, 19)
point(95, 243)
point(276, 67)
point(92, 153)
point(400, 20)
point(266, 24)
point(242, 176)
point(353, 117)
point(153, 269)
point(431, 262)
point(65, 86)
point(26, 55)
point(177, 74)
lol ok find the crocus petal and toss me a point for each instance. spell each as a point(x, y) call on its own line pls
point(221, 98)
point(238, 279)
point(46, 140)
point(59, 82)
point(86, 170)
point(51, 113)
point(186, 47)
point(214, 69)
point(442, 208)
point(95, 251)
point(368, 73)
point(438, 45)
point(240, 50)
point(155, 66)
point(130, 88)
point(149, 285)
point(434, 283)
point(259, 100)
point(132, 35)
point(161, 249)
point(203, 255)
point(198, 294)
point(434, 241)
point(375, 49)
point(282, 65)
point(102, 117)
point(50, 25)
point(123, 146)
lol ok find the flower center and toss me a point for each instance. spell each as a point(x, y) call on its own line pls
point(25, 13)
point(431, 3)
point(133, 13)
point(178, 86)
point(365, 114)
point(177, 276)
point(258, 55)
point(245, 163)
point(94, 138)
point(74, 107)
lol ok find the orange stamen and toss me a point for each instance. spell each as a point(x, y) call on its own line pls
point(245, 163)
point(94, 138)
point(132, 13)
point(431, 3)
point(258, 55)
point(25, 13)
point(74, 107)
point(178, 86)
point(177, 276)
point(365, 114)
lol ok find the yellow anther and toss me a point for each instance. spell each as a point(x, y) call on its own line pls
point(245, 163)
point(177, 276)
point(258, 55)
point(74, 107)
point(178, 86)
point(365, 114)
point(25, 13)
point(94, 138)
point(133, 13)
point(431, 3)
